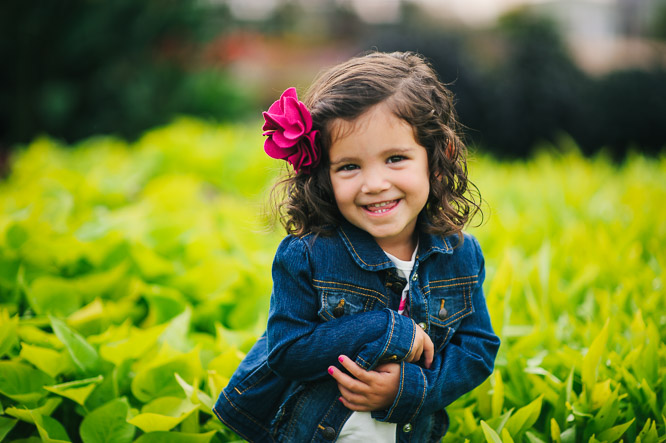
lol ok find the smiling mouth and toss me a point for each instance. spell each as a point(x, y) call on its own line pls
point(382, 207)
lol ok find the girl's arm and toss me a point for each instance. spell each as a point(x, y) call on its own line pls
point(463, 364)
point(301, 346)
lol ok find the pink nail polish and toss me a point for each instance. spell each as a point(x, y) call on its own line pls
point(341, 359)
point(330, 370)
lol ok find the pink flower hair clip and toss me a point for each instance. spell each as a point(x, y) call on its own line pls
point(288, 125)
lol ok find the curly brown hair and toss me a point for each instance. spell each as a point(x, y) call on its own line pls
point(405, 81)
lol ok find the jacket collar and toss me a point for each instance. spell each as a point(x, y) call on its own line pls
point(368, 255)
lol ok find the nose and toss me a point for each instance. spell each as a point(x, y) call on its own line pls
point(374, 181)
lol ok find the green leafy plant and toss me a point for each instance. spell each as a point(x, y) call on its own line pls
point(133, 278)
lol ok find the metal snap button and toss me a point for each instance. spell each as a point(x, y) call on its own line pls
point(423, 325)
point(415, 276)
point(328, 433)
point(407, 428)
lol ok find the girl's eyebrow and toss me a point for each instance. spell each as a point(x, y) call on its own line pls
point(392, 150)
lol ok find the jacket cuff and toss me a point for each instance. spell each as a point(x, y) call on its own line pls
point(409, 399)
point(397, 342)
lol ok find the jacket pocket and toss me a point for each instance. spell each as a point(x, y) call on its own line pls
point(449, 301)
point(338, 299)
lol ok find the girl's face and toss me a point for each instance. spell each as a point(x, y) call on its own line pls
point(380, 178)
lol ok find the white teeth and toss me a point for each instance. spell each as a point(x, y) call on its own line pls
point(379, 205)
point(375, 207)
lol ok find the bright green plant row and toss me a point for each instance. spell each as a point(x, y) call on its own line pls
point(576, 251)
point(133, 278)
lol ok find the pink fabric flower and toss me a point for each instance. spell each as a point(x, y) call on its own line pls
point(288, 125)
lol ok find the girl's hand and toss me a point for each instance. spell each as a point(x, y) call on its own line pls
point(367, 390)
point(422, 345)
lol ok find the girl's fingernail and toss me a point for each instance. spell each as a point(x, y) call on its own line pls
point(330, 370)
point(339, 398)
point(340, 359)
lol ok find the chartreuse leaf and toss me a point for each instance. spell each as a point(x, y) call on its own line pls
point(77, 390)
point(649, 432)
point(8, 335)
point(48, 360)
point(647, 366)
point(16, 235)
point(555, 431)
point(175, 437)
point(531, 438)
point(569, 435)
point(50, 429)
point(134, 346)
point(22, 383)
point(156, 379)
point(614, 433)
point(163, 414)
point(163, 304)
point(499, 422)
point(6, 425)
point(601, 394)
point(592, 358)
point(115, 382)
point(108, 423)
point(650, 397)
point(226, 362)
point(99, 284)
point(608, 412)
point(176, 331)
point(489, 433)
point(497, 399)
point(150, 264)
point(53, 295)
point(25, 415)
point(216, 383)
point(35, 336)
point(524, 418)
point(241, 339)
point(85, 357)
point(89, 319)
point(195, 395)
point(506, 437)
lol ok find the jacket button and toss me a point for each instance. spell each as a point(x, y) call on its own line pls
point(328, 433)
point(423, 325)
point(338, 311)
point(407, 428)
point(415, 277)
point(443, 313)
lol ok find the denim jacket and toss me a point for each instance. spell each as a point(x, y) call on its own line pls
point(339, 295)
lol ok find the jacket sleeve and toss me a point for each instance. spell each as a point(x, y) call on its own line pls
point(302, 346)
point(463, 364)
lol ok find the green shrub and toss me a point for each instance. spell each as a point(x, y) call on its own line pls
point(134, 277)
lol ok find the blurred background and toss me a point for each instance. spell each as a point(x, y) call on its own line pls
point(525, 72)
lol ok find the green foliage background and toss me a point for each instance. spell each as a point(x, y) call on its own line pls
point(133, 278)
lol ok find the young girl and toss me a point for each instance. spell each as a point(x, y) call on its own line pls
point(377, 319)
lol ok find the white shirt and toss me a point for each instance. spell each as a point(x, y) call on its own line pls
point(361, 427)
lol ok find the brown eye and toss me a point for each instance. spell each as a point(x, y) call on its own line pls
point(395, 158)
point(348, 167)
